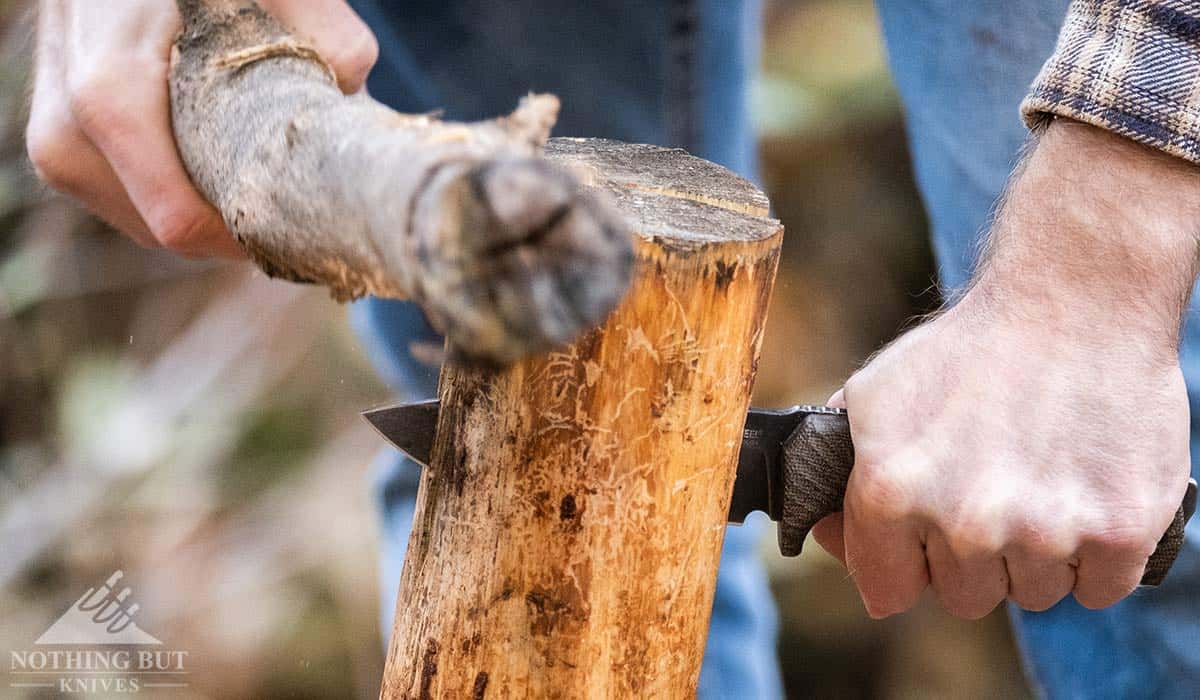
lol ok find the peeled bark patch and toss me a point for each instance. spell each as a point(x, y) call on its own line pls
point(569, 527)
point(507, 254)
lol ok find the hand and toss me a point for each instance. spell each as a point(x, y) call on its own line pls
point(1032, 441)
point(100, 124)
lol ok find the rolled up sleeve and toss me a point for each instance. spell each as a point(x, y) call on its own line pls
point(1129, 66)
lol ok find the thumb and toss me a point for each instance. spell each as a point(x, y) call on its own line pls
point(337, 33)
point(838, 400)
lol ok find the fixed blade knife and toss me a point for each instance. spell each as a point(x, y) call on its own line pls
point(793, 465)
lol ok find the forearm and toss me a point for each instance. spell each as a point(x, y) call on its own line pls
point(1096, 232)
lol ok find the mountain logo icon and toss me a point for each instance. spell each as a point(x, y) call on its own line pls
point(102, 615)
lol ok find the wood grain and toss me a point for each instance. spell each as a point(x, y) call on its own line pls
point(569, 527)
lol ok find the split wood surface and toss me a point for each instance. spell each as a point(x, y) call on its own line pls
point(569, 527)
point(506, 254)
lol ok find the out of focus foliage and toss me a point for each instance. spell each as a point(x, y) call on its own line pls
point(196, 425)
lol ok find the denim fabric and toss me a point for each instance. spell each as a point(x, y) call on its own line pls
point(962, 69)
point(672, 73)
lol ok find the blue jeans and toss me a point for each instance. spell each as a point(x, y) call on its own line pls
point(676, 73)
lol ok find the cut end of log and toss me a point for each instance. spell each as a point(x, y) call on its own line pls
point(523, 259)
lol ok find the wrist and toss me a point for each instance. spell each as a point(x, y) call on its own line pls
point(1095, 232)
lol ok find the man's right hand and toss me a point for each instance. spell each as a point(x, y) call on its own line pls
point(1033, 441)
point(100, 123)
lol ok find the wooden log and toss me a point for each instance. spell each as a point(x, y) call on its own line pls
point(569, 527)
point(507, 255)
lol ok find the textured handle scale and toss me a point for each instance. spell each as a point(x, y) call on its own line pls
point(1171, 542)
point(818, 457)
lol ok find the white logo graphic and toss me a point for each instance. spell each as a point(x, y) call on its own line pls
point(102, 617)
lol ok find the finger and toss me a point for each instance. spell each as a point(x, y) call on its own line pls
point(1038, 584)
point(1103, 579)
point(129, 122)
point(337, 33)
point(969, 582)
point(61, 154)
point(73, 166)
point(838, 400)
point(884, 552)
point(829, 534)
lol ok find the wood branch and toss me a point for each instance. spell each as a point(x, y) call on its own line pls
point(569, 527)
point(506, 254)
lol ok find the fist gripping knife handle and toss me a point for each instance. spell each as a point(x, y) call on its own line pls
point(816, 461)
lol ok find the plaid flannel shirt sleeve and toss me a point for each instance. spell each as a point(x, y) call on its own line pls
point(1129, 66)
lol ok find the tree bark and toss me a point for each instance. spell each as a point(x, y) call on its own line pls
point(569, 526)
point(507, 255)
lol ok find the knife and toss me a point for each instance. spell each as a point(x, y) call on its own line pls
point(793, 465)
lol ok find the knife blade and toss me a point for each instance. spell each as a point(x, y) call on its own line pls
point(410, 427)
point(793, 465)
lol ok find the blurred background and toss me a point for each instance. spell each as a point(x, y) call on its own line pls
point(197, 426)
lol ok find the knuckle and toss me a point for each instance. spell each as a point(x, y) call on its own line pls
point(1122, 539)
point(1092, 602)
point(50, 148)
point(1035, 602)
point(1039, 588)
point(878, 609)
point(963, 606)
point(355, 58)
point(972, 540)
point(95, 102)
point(880, 493)
point(857, 384)
point(1098, 598)
point(183, 231)
point(1042, 540)
point(883, 599)
point(973, 534)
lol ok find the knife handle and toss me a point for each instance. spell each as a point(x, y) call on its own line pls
point(818, 457)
